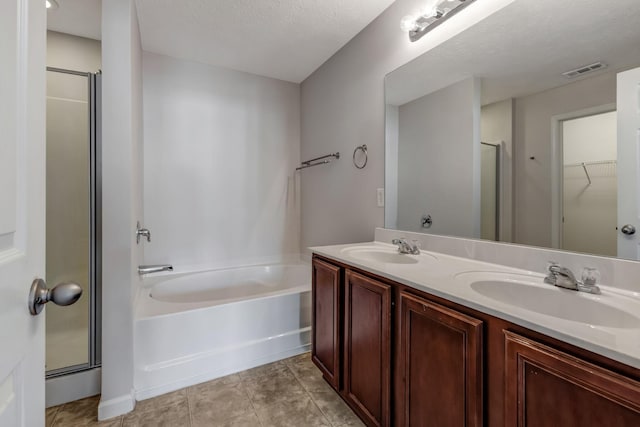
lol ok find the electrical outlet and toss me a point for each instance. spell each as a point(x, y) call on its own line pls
point(380, 195)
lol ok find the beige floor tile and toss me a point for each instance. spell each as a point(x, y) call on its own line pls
point(308, 374)
point(277, 387)
point(114, 422)
point(171, 414)
point(50, 414)
point(155, 403)
point(78, 413)
point(285, 393)
point(294, 413)
point(218, 402)
point(264, 370)
point(249, 419)
point(334, 408)
point(218, 382)
point(301, 358)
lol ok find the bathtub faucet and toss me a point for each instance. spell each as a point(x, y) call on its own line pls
point(146, 269)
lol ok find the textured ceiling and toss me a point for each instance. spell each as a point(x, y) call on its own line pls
point(283, 39)
point(524, 48)
point(78, 17)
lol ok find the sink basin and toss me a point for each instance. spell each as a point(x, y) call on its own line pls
point(384, 255)
point(530, 293)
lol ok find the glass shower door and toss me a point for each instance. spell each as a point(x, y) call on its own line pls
point(70, 219)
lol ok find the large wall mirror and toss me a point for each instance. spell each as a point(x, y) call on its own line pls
point(524, 128)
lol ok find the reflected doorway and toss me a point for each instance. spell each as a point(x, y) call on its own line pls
point(589, 184)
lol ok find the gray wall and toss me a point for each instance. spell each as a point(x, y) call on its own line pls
point(533, 115)
point(439, 147)
point(343, 107)
point(73, 52)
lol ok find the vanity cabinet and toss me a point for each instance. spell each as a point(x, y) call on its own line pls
point(399, 356)
point(326, 309)
point(440, 358)
point(547, 387)
point(367, 347)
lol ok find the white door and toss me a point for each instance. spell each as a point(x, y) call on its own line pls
point(628, 105)
point(22, 209)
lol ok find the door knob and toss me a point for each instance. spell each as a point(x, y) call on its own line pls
point(628, 229)
point(63, 294)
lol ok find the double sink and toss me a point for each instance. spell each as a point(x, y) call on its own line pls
point(505, 290)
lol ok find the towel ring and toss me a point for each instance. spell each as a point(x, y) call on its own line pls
point(362, 148)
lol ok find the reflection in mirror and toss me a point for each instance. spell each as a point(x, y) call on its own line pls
point(523, 128)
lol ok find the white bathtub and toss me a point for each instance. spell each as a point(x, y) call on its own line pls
point(195, 327)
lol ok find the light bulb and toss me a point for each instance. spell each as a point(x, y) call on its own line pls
point(51, 4)
point(429, 9)
point(408, 23)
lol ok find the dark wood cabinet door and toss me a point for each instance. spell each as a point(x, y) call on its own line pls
point(325, 341)
point(440, 359)
point(367, 358)
point(546, 387)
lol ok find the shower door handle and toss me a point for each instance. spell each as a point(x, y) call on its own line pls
point(63, 294)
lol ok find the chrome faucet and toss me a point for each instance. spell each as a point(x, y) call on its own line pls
point(562, 277)
point(406, 247)
point(146, 269)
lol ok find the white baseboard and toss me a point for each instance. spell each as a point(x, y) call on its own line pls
point(68, 388)
point(115, 407)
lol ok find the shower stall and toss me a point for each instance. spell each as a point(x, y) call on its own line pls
point(490, 158)
point(73, 232)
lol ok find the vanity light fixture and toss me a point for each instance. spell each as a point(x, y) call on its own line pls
point(430, 16)
point(51, 4)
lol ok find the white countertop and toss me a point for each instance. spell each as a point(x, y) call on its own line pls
point(439, 274)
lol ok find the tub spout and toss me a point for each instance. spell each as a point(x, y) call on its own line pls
point(146, 269)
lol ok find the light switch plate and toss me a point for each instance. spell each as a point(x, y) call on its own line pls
point(380, 195)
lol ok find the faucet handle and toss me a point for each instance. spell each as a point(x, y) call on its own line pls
point(551, 276)
point(144, 232)
point(551, 264)
point(590, 276)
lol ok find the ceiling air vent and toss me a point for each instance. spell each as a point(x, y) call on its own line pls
point(584, 70)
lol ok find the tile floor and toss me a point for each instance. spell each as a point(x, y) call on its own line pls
point(290, 392)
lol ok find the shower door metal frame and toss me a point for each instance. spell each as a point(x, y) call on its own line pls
point(95, 224)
